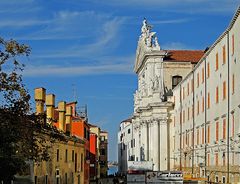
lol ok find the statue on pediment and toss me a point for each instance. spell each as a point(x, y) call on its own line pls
point(156, 43)
point(145, 30)
point(149, 37)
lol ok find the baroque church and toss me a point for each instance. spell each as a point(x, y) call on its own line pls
point(159, 71)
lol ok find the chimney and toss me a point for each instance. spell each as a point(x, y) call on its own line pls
point(50, 105)
point(69, 119)
point(61, 119)
point(40, 95)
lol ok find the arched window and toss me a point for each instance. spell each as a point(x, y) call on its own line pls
point(176, 80)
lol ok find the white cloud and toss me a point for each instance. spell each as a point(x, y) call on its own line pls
point(77, 70)
point(22, 23)
point(103, 65)
point(171, 21)
point(102, 42)
point(65, 25)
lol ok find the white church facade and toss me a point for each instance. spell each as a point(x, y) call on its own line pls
point(158, 71)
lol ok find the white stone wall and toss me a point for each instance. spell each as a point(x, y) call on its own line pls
point(207, 151)
point(125, 147)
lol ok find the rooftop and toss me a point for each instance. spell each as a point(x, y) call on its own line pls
point(192, 56)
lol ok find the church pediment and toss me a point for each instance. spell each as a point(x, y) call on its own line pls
point(147, 46)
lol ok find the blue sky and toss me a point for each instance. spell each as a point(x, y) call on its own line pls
point(89, 46)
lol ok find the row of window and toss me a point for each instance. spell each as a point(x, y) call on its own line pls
point(224, 88)
point(57, 178)
point(74, 158)
point(216, 160)
point(177, 79)
point(217, 131)
point(224, 95)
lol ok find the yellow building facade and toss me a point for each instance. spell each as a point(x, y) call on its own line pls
point(66, 152)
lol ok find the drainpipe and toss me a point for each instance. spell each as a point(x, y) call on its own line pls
point(180, 127)
point(193, 118)
point(228, 79)
point(205, 118)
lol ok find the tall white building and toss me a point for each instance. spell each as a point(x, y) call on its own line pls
point(187, 107)
point(206, 114)
point(125, 145)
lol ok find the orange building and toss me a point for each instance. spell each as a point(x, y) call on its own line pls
point(93, 156)
point(98, 152)
point(81, 129)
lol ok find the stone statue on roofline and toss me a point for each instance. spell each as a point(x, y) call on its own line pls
point(156, 43)
point(149, 38)
point(145, 30)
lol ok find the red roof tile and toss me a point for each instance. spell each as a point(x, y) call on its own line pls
point(192, 56)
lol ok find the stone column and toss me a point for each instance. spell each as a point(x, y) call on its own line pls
point(156, 146)
point(163, 144)
point(136, 136)
point(147, 140)
point(151, 146)
point(143, 138)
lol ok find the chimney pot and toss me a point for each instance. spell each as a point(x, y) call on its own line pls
point(40, 94)
point(61, 112)
point(62, 106)
point(50, 100)
point(50, 104)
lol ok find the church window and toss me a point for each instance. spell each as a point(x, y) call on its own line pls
point(217, 129)
point(217, 94)
point(224, 90)
point(208, 100)
point(176, 80)
point(208, 70)
point(224, 54)
point(202, 75)
point(224, 128)
point(197, 79)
